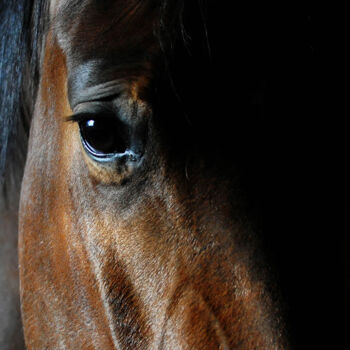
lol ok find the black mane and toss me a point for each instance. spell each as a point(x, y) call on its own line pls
point(21, 28)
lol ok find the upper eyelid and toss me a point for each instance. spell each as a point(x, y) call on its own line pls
point(83, 116)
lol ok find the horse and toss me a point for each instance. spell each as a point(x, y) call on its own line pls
point(134, 227)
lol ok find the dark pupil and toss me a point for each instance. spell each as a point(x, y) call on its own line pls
point(103, 136)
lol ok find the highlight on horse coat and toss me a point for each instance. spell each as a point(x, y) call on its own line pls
point(134, 226)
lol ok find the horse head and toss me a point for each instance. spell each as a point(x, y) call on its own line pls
point(131, 231)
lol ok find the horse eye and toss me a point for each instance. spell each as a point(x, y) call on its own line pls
point(103, 136)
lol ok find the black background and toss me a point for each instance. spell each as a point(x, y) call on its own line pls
point(269, 78)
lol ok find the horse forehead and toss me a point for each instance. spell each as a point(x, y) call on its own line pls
point(106, 40)
point(96, 24)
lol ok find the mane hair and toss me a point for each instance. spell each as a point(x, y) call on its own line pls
point(21, 28)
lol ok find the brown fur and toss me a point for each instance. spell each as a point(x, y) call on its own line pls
point(157, 262)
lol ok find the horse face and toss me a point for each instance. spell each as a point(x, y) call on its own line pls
point(125, 241)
